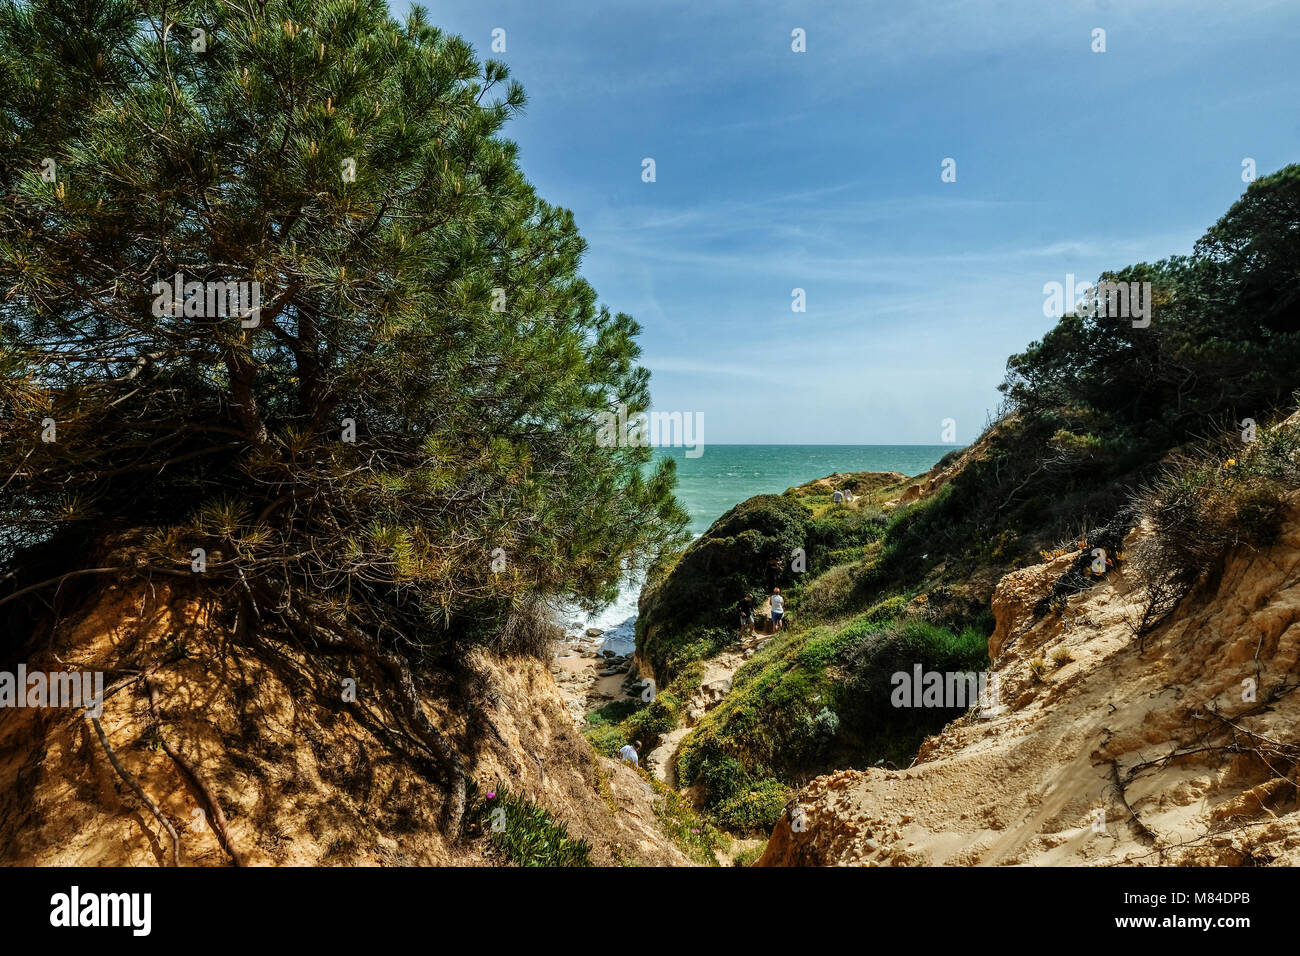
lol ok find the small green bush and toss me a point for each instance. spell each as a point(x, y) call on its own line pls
point(886, 610)
point(816, 732)
point(1210, 499)
point(613, 712)
point(1222, 496)
point(606, 739)
point(521, 831)
point(654, 720)
point(832, 593)
point(877, 652)
point(755, 807)
point(646, 722)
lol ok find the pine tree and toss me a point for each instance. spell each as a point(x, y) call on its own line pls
point(387, 441)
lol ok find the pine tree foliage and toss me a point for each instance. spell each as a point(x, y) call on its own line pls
point(399, 447)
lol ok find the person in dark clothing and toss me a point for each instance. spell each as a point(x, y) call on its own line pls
point(770, 576)
point(747, 615)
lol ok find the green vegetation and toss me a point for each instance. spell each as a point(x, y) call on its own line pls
point(1094, 407)
point(667, 709)
point(749, 856)
point(398, 456)
point(1211, 498)
point(1231, 493)
point(690, 611)
point(696, 837)
point(692, 607)
point(606, 738)
point(814, 700)
point(624, 721)
point(1100, 429)
point(818, 696)
point(521, 831)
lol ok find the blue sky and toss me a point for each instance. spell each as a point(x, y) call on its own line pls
point(820, 170)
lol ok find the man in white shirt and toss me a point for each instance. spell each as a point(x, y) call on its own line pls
point(629, 753)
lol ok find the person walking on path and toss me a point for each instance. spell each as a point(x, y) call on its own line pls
point(778, 610)
point(747, 615)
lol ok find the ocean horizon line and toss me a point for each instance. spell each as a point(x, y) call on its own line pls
point(772, 444)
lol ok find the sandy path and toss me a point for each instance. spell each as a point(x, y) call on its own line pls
point(712, 689)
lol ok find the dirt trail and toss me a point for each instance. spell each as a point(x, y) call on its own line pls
point(714, 686)
point(583, 691)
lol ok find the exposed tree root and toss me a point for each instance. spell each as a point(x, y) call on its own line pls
point(312, 621)
point(1265, 749)
point(1145, 830)
point(139, 791)
point(216, 818)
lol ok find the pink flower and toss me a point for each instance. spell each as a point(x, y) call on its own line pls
point(492, 794)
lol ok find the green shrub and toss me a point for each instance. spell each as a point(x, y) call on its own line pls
point(521, 831)
point(703, 588)
point(886, 610)
point(606, 739)
point(690, 612)
point(1224, 495)
point(865, 699)
point(820, 698)
point(832, 593)
point(654, 720)
point(841, 528)
point(647, 722)
point(1210, 499)
point(755, 807)
point(780, 715)
point(605, 729)
point(612, 713)
point(817, 732)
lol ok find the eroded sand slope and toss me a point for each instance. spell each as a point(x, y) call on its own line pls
point(1156, 734)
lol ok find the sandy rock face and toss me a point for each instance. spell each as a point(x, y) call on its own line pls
point(1177, 750)
point(304, 776)
point(1015, 596)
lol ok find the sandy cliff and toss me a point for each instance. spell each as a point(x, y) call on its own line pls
point(303, 777)
point(1178, 749)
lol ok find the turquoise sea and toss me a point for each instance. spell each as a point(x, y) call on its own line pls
point(725, 475)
